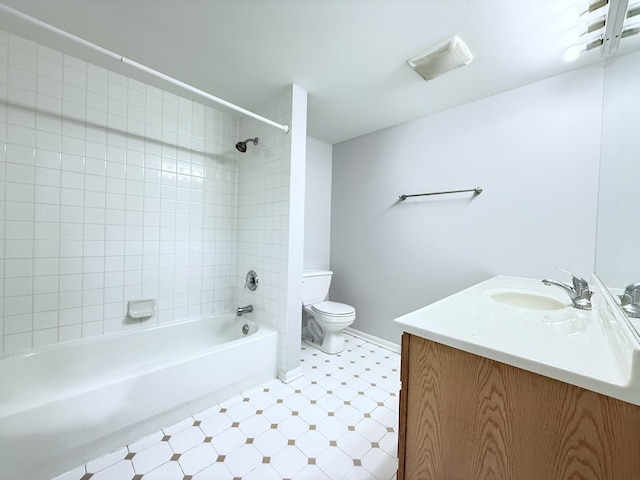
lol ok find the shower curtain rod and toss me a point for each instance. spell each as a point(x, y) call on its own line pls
point(139, 66)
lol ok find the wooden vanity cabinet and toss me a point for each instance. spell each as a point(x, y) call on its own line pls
point(465, 417)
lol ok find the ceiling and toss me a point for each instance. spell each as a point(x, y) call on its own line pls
point(350, 55)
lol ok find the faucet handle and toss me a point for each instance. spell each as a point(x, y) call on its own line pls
point(580, 285)
point(631, 294)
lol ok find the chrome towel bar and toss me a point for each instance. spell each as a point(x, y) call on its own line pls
point(476, 191)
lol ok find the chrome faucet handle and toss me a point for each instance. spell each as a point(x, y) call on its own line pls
point(580, 285)
point(630, 300)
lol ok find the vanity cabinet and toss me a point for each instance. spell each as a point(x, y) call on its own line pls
point(466, 417)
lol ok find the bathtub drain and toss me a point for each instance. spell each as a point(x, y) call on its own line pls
point(245, 329)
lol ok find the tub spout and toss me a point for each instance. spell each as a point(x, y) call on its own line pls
point(245, 309)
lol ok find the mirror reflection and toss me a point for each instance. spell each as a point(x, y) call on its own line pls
point(618, 228)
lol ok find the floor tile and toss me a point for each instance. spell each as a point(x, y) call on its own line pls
point(263, 472)
point(215, 424)
point(243, 460)
point(152, 457)
point(311, 472)
point(227, 441)
point(289, 461)
point(167, 471)
point(270, 442)
point(197, 459)
point(217, 471)
point(379, 463)
point(146, 442)
point(186, 439)
point(312, 443)
point(121, 470)
point(334, 462)
point(354, 444)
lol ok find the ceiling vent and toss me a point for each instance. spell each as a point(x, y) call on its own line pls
point(447, 55)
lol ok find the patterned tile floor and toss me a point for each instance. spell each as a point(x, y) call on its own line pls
point(338, 421)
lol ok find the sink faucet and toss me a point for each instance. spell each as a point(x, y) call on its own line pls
point(630, 300)
point(245, 309)
point(579, 293)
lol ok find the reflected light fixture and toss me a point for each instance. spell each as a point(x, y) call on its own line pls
point(600, 23)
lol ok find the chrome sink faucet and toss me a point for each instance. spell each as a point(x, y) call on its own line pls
point(630, 300)
point(580, 294)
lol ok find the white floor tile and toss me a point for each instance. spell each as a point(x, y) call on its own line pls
point(312, 443)
point(254, 425)
point(364, 404)
point(276, 413)
point(186, 439)
point(227, 441)
point(240, 411)
point(118, 471)
point(332, 428)
point(370, 429)
point(217, 471)
point(313, 414)
point(262, 400)
point(359, 473)
point(293, 427)
point(242, 460)
point(263, 472)
point(354, 444)
point(330, 402)
point(297, 401)
point(197, 458)
point(380, 464)
point(289, 461)
point(152, 457)
point(215, 424)
point(166, 471)
point(389, 443)
point(334, 462)
point(311, 472)
point(146, 442)
point(270, 442)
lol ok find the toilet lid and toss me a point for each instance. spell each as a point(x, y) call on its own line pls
point(333, 308)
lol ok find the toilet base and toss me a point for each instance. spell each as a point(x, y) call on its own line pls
point(332, 343)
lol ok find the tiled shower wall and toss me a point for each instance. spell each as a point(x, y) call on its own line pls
point(263, 216)
point(110, 190)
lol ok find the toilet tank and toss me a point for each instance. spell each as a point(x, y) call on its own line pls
point(315, 286)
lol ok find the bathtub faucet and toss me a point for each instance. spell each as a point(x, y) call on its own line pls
point(245, 309)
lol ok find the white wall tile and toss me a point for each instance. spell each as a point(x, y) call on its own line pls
point(95, 214)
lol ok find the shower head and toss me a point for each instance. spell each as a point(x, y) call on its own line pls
point(242, 146)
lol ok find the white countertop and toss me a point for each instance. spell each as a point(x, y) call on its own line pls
point(590, 349)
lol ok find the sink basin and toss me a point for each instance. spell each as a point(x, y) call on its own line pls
point(533, 301)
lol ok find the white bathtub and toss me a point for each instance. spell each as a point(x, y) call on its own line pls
point(63, 405)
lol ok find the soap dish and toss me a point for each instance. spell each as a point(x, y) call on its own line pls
point(141, 308)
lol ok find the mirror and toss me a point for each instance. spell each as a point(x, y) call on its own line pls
point(618, 228)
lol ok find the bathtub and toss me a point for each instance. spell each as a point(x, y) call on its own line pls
point(63, 405)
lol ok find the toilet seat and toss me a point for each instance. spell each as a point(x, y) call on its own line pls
point(333, 309)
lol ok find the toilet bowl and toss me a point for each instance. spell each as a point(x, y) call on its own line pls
point(325, 320)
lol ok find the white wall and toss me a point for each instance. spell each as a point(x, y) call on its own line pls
point(617, 259)
point(110, 190)
point(317, 206)
point(535, 152)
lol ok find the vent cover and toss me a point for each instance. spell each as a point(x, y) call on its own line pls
point(446, 56)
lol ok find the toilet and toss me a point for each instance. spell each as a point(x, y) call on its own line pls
point(325, 321)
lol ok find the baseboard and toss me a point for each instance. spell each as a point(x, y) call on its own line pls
point(381, 342)
point(291, 375)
